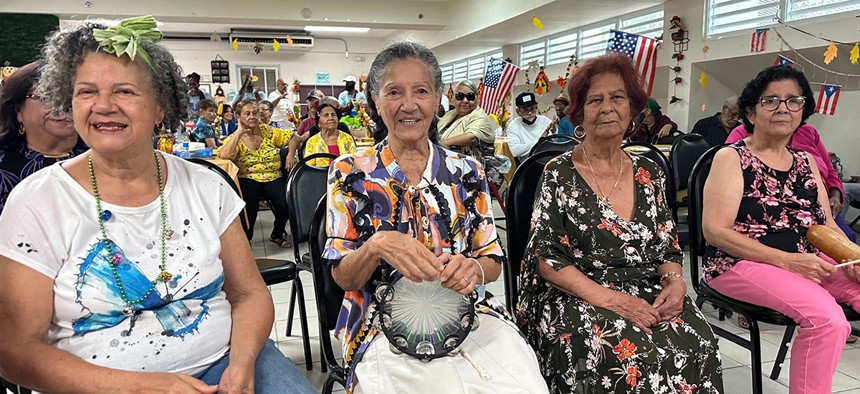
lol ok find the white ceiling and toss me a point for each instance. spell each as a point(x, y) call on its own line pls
point(454, 28)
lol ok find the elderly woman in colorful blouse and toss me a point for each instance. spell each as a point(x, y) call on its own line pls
point(329, 139)
point(467, 126)
point(411, 207)
point(125, 269)
point(31, 135)
point(760, 198)
point(254, 148)
point(603, 301)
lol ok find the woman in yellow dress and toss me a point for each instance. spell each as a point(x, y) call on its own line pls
point(329, 139)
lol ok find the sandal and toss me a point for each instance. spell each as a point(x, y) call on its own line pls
point(851, 339)
point(282, 242)
point(743, 323)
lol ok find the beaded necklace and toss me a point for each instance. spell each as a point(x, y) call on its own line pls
point(116, 259)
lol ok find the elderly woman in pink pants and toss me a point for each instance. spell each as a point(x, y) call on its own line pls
point(759, 200)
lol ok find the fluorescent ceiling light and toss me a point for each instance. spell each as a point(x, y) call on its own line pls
point(337, 29)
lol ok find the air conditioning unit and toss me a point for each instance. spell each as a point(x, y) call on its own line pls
point(249, 39)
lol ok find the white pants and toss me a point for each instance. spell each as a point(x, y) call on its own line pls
point(495, 346)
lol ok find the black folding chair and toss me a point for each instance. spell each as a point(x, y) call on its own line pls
point(521, 195)
point(273, 271)
point(558, 143)
point(328, 297)
point(704, 293)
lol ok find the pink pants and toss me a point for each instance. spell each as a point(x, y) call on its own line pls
point(823, 328)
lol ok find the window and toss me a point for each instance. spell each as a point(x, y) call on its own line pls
point(802, 9)
point(476, 67)
point(532, 51)
point(267, 77)
point(594, 41)
point(560, 48)
point(649, 25)
point(724, 16)
point(447, 73)
point(461, 70)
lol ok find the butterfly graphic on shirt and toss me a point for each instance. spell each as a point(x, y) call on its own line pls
point(95, 276)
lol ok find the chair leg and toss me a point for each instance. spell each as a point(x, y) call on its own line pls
point(292, 309)
point(495, 193)
point(755, 356)
point(323, 361)
point(303, 321)
point(783, 349)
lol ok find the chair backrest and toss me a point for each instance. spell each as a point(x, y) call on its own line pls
point(684, 154)
point(558, 143)
point(304, 188)
point(224, 175)
point(519, 201)
point(327, 293)
point(657, 156)
point(698, 175)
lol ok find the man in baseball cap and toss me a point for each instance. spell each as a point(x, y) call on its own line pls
point(524, 132)
point(350, 97)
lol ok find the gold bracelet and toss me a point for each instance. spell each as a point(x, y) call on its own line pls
point(671, 273)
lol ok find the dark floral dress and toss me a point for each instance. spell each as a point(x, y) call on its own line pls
point(776, 209)
point(571, 227)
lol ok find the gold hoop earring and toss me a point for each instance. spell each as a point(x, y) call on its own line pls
point(22, 130)
point(579, 132)
point(632, 127)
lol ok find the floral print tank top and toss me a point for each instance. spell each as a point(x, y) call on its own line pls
point(776, 209)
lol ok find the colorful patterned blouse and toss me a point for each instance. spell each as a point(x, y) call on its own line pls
point(17, 163)
point(316, 144)
point(776, 209)
point(263, 164)
point(449, 211)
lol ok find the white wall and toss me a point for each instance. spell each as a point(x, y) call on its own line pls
point(326, 56)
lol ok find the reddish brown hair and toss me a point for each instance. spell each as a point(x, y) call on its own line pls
point(615, 63)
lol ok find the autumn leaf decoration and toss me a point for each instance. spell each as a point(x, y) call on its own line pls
point(830, 53)
point(854, 56)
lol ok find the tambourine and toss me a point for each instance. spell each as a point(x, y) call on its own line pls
point(423, 319)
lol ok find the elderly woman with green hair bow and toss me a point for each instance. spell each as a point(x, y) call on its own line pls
point(124, 269)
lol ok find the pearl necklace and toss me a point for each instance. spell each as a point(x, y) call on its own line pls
point(116, 259)
point(603, 197)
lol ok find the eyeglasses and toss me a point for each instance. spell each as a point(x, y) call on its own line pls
point(793, 104)
point(468, 96)
point(34, 97)
point(529, 109)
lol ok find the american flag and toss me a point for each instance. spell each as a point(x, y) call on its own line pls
point(498, 80)
point(827, 99)
point(642, 50)
point(758, 39)
point(783, 61)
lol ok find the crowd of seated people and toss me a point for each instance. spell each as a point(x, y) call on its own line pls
point(117, 270)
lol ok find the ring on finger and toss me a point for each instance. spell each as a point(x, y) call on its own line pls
point(464, 280)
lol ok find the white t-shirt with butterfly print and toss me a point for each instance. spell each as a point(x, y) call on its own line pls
point(50, 225)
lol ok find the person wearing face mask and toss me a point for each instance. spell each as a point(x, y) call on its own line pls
point(523, 132)
point(467, 126)
point(350, 95)
point(716, 128)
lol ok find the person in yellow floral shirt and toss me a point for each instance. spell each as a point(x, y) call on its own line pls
point(254, 148)
point(329, 139)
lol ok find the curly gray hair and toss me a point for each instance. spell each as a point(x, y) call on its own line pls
point(66, 50)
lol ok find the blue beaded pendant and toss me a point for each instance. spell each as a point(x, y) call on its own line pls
point(106, 215)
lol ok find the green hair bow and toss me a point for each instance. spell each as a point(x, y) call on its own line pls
point(126, 37)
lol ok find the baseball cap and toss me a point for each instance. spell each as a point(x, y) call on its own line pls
point(317, 94)
point(525, 99)
point(350, 78)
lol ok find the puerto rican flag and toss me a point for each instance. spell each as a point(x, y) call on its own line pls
point(759, 37)
point(827, 99)
point(783, 61)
